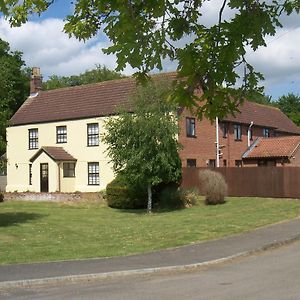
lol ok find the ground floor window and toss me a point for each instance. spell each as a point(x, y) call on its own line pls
point(191, 162)
point(212, 163)
point(93, 173)
point(238, 163)
point(69, 169)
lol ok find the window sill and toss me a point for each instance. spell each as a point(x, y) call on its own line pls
point(192, 136)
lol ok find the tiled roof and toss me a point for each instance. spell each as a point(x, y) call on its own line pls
point(264, 115)
point(56, 153)
point(84, 101)
point(274, 147)
point(101, 99)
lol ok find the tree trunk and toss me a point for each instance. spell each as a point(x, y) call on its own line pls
point(149, 206)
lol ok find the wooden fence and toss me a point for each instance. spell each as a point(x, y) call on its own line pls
point(275, 182)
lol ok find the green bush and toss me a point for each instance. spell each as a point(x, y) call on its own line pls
point(170, 198)
point(1, 197)
point(120, 194)
point(213, 187)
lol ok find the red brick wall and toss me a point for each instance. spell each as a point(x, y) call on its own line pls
point(203, 148)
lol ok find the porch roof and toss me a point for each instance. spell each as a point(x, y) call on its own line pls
point(55, 153)
point(279, 147)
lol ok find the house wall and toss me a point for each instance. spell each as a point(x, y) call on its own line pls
point(19, 157)
point(203, 147)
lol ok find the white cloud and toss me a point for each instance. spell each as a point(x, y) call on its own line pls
point(45, 45)
point(280, 61)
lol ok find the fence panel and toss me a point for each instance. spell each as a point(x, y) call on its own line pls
point(276, 182)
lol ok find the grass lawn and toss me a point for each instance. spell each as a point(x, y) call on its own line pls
point(43, 231)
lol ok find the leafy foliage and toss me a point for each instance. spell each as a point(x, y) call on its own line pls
point(14, 87)
point(290, 105)
point(121, 194)
point(91, 76)
point(145, 32)
point(263, 99)
point(143, 145)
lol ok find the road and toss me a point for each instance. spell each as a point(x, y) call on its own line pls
point(274, 274)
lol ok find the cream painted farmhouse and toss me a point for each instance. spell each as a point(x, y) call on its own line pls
point(53, 141)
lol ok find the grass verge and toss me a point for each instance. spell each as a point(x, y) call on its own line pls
point(36, 231)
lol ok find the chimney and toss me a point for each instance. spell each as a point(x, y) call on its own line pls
point(35, 81)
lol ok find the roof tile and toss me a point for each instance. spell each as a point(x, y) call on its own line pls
point(274, 147)
point(56, 153)
point(102, 99)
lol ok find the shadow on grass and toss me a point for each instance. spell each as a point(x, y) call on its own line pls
point(11, 219)
point(155, 210)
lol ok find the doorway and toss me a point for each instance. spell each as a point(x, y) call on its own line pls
point(44, 178)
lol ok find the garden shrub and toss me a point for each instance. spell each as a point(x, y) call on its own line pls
point(170, 197)
point(191, 197)
point(1, 197)
point(213, 187)
point(120, 194)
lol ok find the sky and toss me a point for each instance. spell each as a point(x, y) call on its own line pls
point(44, 45)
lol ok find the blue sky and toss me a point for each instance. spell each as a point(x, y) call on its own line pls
point(45, 45)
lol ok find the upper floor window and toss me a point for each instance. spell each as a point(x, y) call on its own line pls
point(224, 128)
point(93, 173)
point(237, 132)
point(191, 162)
point(93, 134)
point(266, 132)
point(33, 135)
point(61, 134)
point(190, 127)
point(69, 169)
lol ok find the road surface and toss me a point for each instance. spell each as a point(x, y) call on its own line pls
point(273, 275)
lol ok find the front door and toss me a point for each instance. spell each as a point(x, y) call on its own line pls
point(44, 178)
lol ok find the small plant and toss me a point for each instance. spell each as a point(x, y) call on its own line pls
point(191, 197)
point(213, 187)
point(102, 195)
point(1, 197)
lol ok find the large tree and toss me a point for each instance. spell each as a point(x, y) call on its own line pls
point(143, 145)
point(100, 73)
point(145, 32)
point(290, 105)
point(14, 87)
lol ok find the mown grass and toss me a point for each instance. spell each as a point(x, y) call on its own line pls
point(43, 231)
